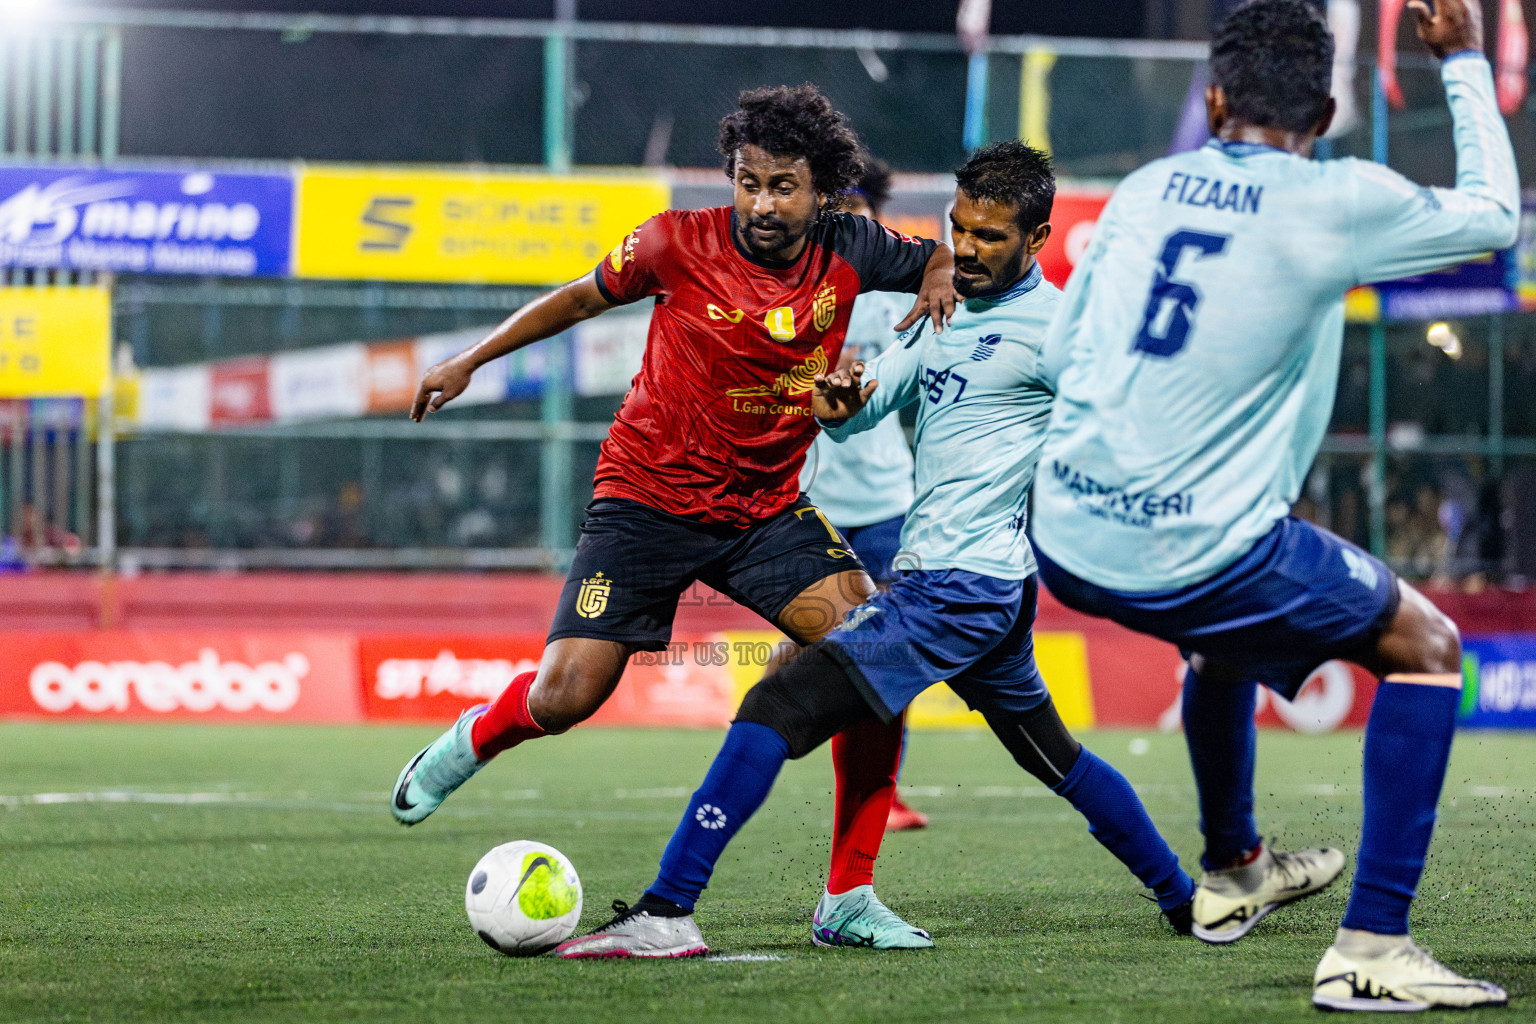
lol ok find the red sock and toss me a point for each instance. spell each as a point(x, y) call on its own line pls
point(866, 757)
point(506, 723)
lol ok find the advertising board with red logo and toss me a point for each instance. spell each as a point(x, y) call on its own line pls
point(222, 676)
point(432, 677)
point(1101, 676)
point(1074, 214)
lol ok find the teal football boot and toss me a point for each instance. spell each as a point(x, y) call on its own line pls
point(438, 770)
point(858, 918)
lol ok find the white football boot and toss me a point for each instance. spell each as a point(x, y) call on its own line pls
point(1389, 973)
point(1229, 902)
point(636, 933)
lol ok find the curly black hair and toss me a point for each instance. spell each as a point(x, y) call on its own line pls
point(1013, 174)
point(796, 122)
point(1274, 61)
point(875, 183)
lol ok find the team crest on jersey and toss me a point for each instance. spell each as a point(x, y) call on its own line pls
point(986, 348)
point(624, 252)
point(716, 313)
point(780, 323)
point(592, 599)
point(824, 307)
point(796, 381)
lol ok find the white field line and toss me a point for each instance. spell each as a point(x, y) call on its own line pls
point(1010, 791)
point(126, 796)
point(662, 793)
point(745, 958)
point(266, 802)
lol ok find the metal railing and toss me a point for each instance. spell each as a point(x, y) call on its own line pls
point(1107, 105)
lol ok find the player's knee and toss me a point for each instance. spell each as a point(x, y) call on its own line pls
point(807, 701)
point(1442, 645)
point(1038, 740)
point(565, 695)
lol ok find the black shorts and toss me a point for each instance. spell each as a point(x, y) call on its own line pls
point(633, 562)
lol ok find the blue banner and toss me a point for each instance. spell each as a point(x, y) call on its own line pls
point(146, 221)
point(1499, 681)
point(1477, 287)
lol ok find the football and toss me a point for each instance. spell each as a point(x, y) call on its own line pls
point(523, 898)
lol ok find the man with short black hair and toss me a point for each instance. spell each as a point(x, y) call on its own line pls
point(698, 479)
point(983, 391)
point(1204, 326)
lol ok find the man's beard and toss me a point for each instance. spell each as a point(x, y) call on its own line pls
point(976, 289)
point(783, 240)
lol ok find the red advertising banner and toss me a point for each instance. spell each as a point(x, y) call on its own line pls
point(433, 677)
point(392, 376)
point(238, 393)
point(1121, 679)
point(222, 676)
point(688, 686)
point(1073, 217)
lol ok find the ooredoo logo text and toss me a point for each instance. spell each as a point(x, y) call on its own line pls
point(206, 684)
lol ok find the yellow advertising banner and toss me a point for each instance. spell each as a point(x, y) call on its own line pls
point(1062, 657)
point(464, 226)
point(55, 342)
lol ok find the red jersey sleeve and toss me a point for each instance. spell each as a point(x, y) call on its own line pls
point(634, 268)
point(885, 260)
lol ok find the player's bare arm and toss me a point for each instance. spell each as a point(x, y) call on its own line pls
point(544, 317)
point(937, 299)
point(1452, 27)
point(841, 393)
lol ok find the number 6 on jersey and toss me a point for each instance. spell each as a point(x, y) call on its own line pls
point(1184, 296)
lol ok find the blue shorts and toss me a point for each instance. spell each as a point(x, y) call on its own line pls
point(944, 625)
point(876, 545)
point(1298, 598)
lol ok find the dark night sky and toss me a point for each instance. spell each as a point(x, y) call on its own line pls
point(1107, 18)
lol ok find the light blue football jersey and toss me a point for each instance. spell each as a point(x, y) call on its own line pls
point(869, 479)
point(1202, 332)
point(983, 391)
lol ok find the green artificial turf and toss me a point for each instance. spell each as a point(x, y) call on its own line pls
point(281, 889)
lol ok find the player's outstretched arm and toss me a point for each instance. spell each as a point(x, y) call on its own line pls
point(544, 317)
point(1403, 229)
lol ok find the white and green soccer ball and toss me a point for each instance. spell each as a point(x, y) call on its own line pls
point(523, 898)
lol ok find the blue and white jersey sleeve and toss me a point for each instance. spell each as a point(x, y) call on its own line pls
point(1401, 228)
point(870, 480)
point(897, 370)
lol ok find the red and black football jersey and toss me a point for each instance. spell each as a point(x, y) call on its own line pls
point(717, 422)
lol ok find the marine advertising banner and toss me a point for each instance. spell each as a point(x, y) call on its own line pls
point(480, 227)
point(146, 221)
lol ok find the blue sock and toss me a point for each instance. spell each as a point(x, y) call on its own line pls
point(1407, 746)
point(736, 786)
point(1117, 819)
point(1219, 729)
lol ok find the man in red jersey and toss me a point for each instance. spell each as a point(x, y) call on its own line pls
point(698, 479)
